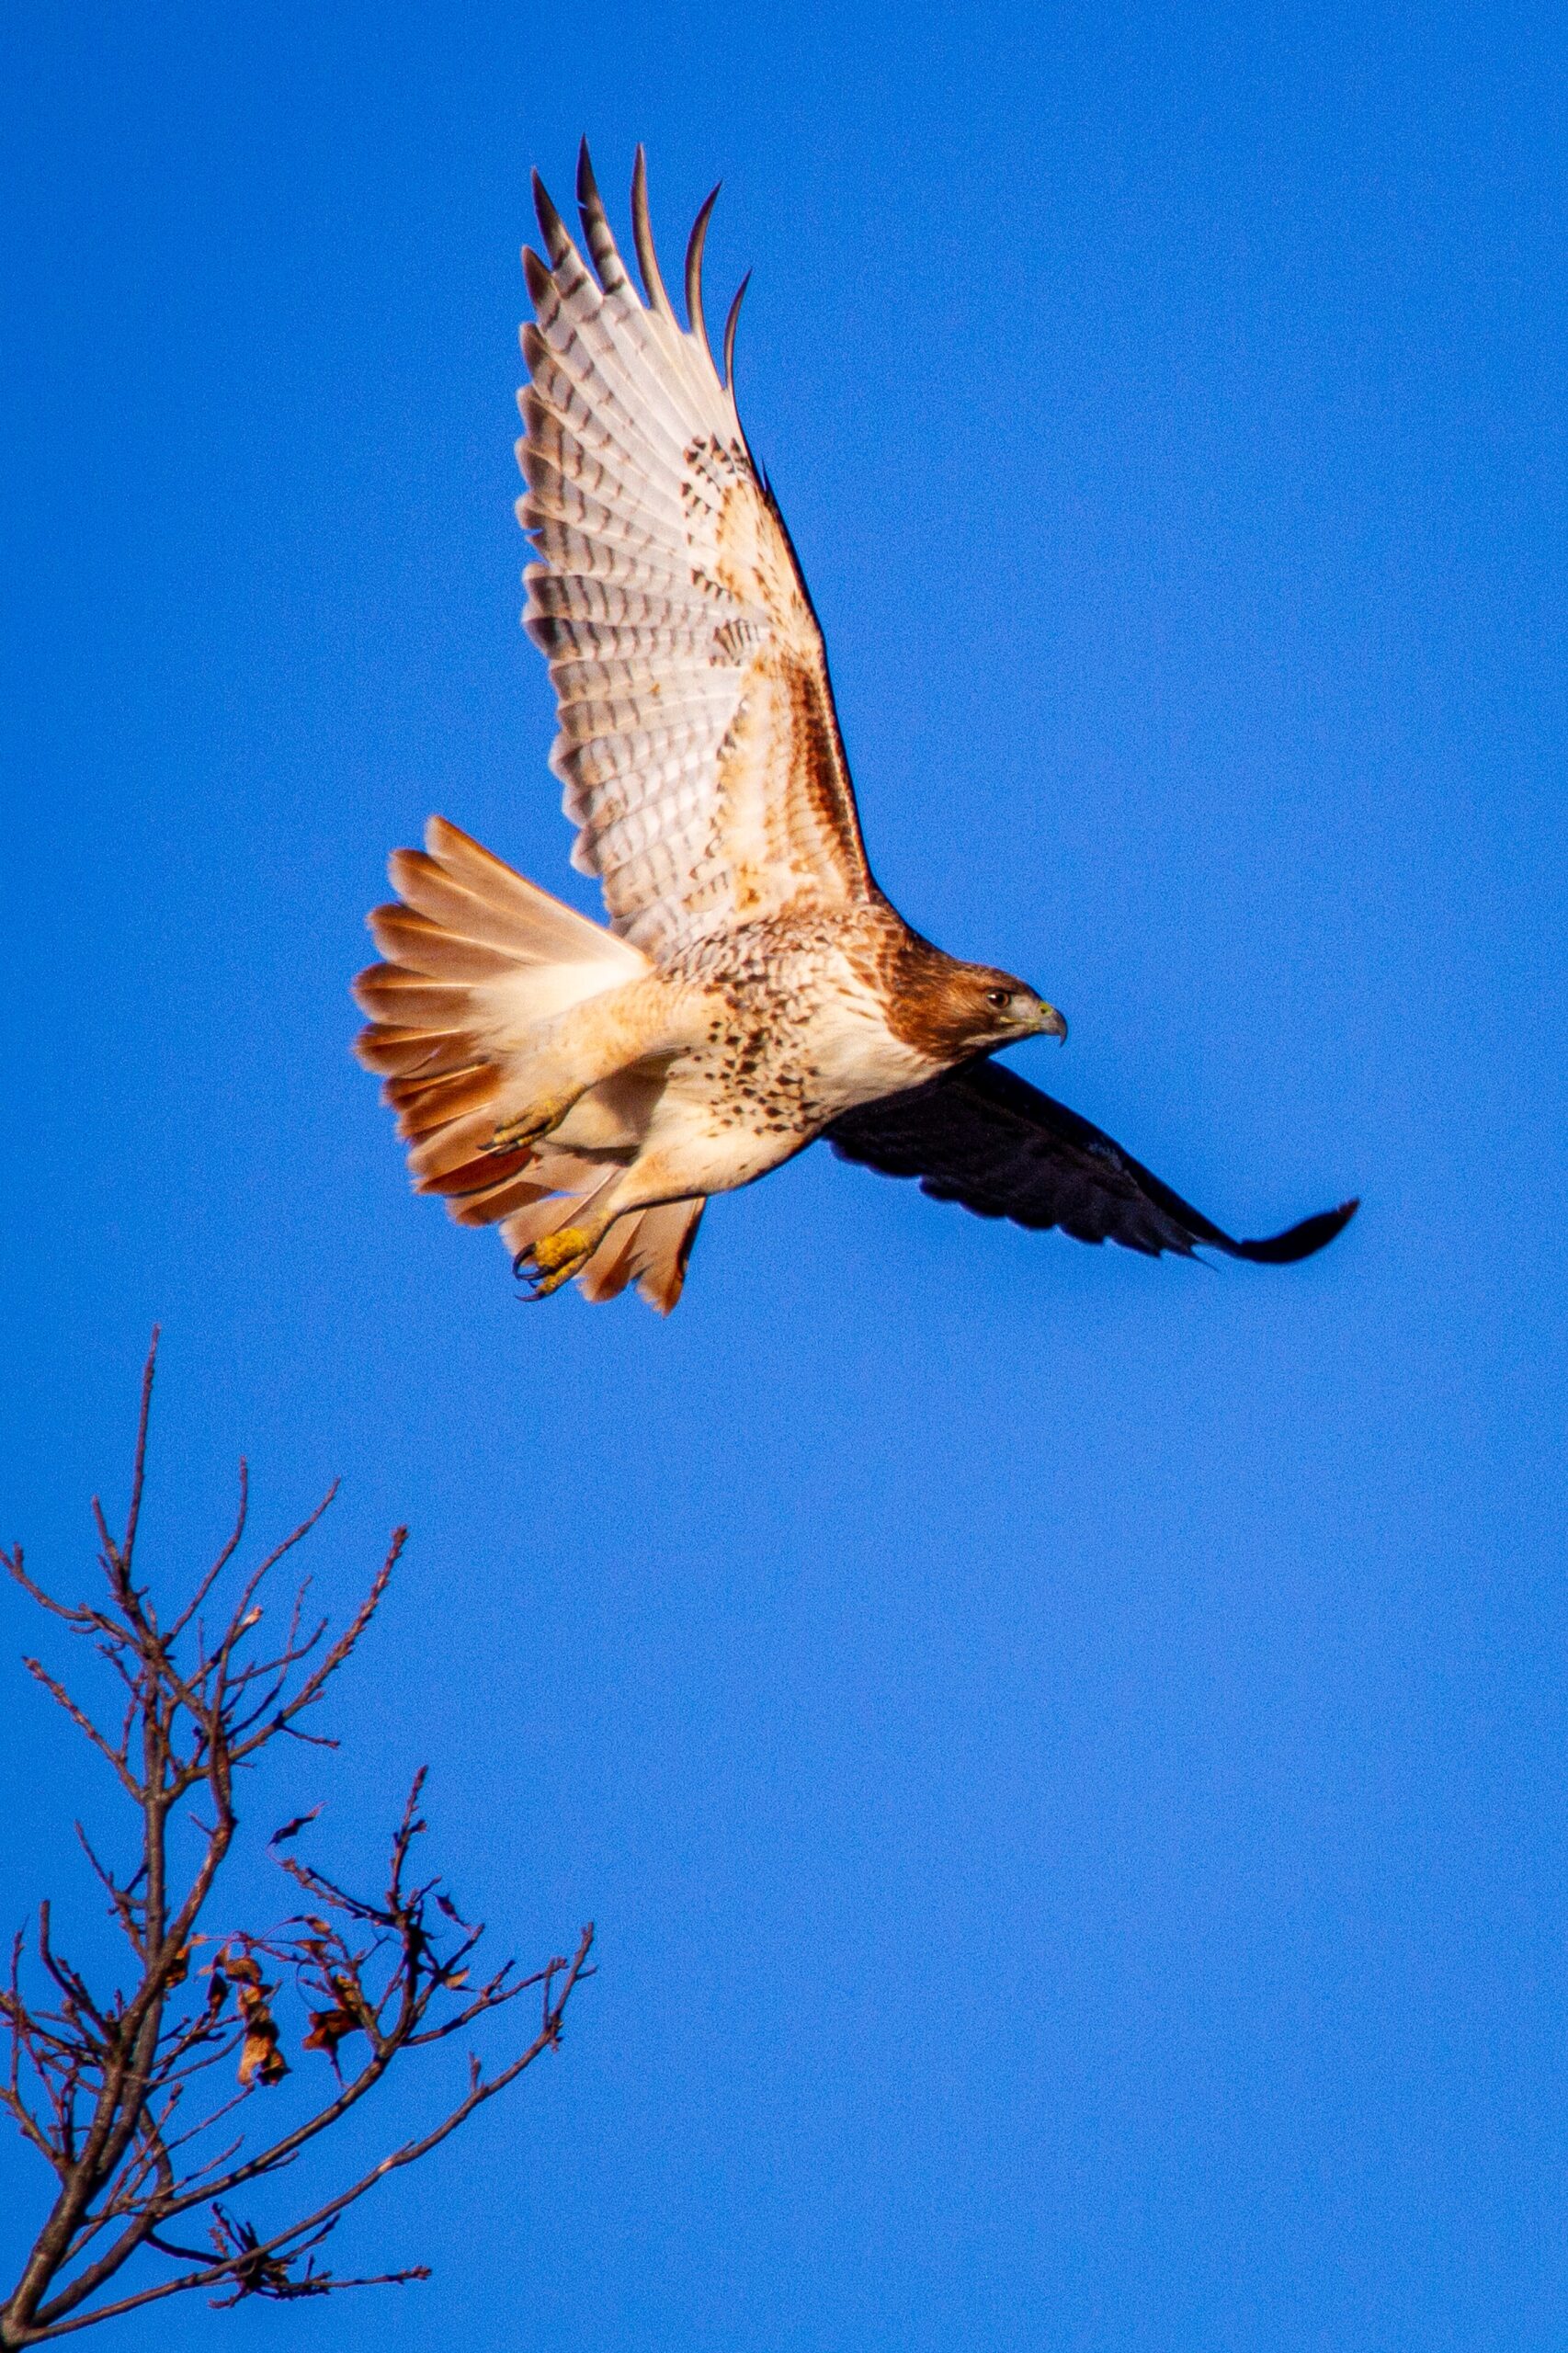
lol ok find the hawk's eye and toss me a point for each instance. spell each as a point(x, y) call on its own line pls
point(999, 1000)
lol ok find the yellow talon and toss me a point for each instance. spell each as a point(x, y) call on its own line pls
point(567, 1244)
point(533, 1125)
point(555, 1257)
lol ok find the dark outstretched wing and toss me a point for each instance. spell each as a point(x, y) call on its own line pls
point(984, 1136)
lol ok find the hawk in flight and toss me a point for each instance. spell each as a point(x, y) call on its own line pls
point(587, 1089)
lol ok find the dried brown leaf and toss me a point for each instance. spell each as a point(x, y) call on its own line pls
point(328, 2028)
point(261, 2062)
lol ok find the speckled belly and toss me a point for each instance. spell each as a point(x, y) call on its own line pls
point(795, 1039)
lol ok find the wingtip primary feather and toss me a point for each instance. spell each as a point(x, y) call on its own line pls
point(537, 279)
point(730, 323)
point(695, 323)
point(602, 248)
point(642, 237)
point(1299, 1242)
point(551, 227)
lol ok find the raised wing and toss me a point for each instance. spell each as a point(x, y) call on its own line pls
point(698, 744)
point(984, 1136)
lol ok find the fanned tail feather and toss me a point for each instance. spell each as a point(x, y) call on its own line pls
point(476, 959)
point(650, 1248)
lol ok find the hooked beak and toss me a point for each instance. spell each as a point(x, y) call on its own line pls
point(1051, 1024)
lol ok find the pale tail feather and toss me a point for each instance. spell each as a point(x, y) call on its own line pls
point(650, 1247)
point(477, 958)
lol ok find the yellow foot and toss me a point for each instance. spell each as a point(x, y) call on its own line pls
point(540, 1119)
point(555, 1257)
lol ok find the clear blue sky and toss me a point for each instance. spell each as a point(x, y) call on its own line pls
point(1066, 1753)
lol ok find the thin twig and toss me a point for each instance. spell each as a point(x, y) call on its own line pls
point(114, 2086)
point(481, 2090)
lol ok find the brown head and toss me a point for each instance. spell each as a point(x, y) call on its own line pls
point(951, 1010)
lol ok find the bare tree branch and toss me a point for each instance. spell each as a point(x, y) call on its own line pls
point(117, 2086)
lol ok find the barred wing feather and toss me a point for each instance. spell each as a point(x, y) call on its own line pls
point(698, 740)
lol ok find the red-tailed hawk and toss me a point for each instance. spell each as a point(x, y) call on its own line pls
point(588, 1089)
